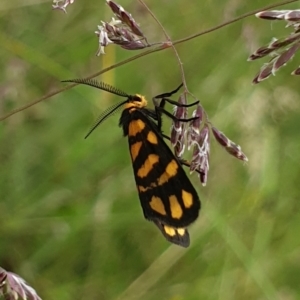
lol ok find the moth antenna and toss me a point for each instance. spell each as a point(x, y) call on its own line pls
point(99, 85)
point(104, 115)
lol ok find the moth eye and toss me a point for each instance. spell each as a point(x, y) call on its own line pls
point(136, 98)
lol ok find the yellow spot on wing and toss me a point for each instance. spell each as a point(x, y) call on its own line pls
point(142, 189)
point(176, 210)
point(169, 230)
point(135, 149)
point(145, 189)
point(135, 127)
point(181, 231)
point(152, 138)
point(157, 205)
point(148, 165)
point(171, 170)
point(187, 199)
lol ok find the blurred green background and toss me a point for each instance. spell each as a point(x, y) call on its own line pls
point(70, 219)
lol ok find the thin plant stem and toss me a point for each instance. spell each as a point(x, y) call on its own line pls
point(233, 21)
point(170, 43)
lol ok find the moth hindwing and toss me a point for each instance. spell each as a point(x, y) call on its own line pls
point(178, 236)
point(167, 196)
